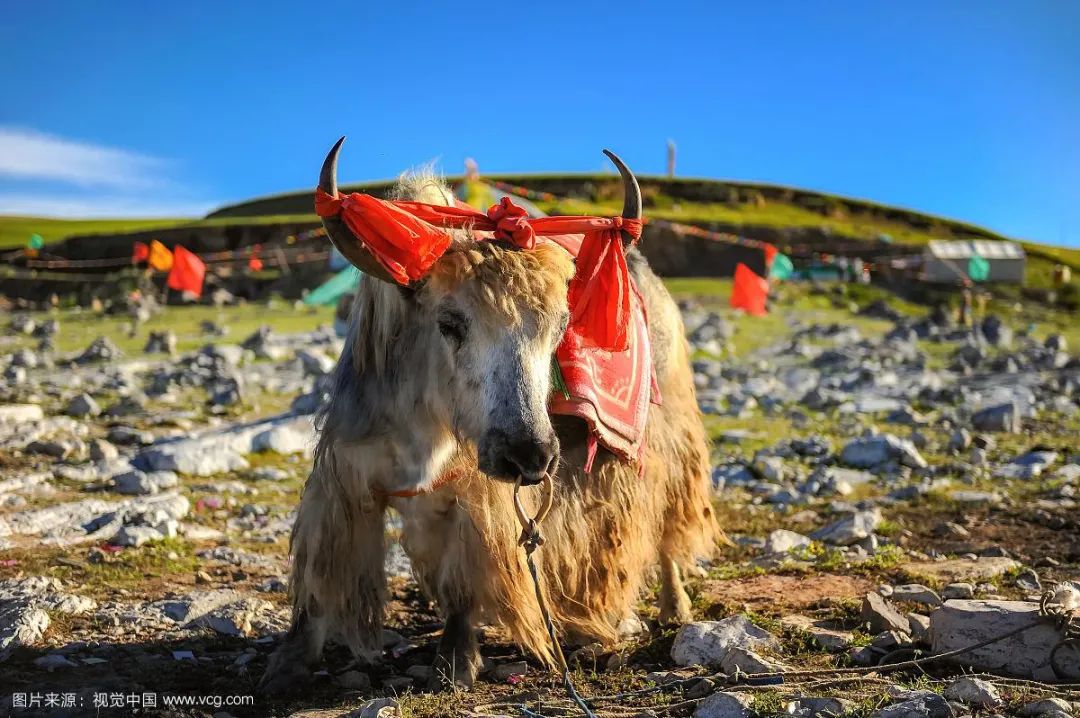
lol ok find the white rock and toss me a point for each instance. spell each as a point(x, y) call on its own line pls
point(973, 692)
point(707, 642)
point(916, 593)
point(18, 413)
point(782, 541)
point(850, 529)
point(22, 623)
point(958, 624)
point(725, 705)
point(283, 439)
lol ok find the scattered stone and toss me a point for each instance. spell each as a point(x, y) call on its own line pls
point(102, 450)
point(101, 349)
point(1028, 580)
point(782, 541)
point(916, 593)
point(882, 615)
point(872, 451)
point(83, 406)
point(917, 704)
point(849, 530)
point(819, 707)
point(961, 623)
point(1000, 418)
point(53, 661)
point(725, 705)
point(708, 642)
point(1046, 707)
point(828, 638)
point(140, 483)
point(504, 671)
point(960, 569)
point(958, 590)
point(973, 692)
point(353, 681)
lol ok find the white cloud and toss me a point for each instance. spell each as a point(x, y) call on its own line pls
point(46, 175)
point(28, 154)
point(112, 207)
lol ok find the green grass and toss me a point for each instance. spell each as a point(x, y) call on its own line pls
point(78, 327)
point(16, 231)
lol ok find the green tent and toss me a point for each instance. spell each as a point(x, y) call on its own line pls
point(978, 268)
point(328, 293)
point(36, 242)
point(782, 267)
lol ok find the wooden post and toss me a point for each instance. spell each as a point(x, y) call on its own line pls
point(671, 158)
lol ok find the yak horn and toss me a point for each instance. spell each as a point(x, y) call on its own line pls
point(631, 194)
point(350, 246)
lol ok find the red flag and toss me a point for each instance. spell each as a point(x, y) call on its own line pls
point(749, 291)
point(255, 264)
point(140, 252)
point(188, 272)
point(770, 253)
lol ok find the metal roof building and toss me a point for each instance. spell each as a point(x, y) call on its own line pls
point(946, 261)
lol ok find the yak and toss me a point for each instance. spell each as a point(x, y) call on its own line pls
point(439, 405)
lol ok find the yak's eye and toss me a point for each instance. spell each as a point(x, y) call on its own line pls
point(452, 325)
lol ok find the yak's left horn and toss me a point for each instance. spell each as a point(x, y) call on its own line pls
point(351, 246)
point(631, 193)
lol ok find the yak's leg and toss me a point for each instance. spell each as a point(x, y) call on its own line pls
point(674, 601)
point(457, 660)
point(290, 666)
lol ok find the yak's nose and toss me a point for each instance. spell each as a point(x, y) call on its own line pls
point(506, 456)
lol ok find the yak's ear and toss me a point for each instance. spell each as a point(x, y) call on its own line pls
point(350, 246)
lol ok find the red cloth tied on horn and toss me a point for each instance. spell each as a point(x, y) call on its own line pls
point(407, 238)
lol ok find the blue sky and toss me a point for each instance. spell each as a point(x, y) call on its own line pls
point(965, 108)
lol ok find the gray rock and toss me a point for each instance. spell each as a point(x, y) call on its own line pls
point(917, 704)
point(22, 623)
point(82, 406)
point(101, 349)
point(782, 541)
point(1045, 707)
point(102, 450)
point(916, 593)
point(958, 590)
point(195, 458)
point(830, 639)
point(140, 483)
point(1000, 418)
point(958, 624)
point(973, 692)
point(707, 642)
point(811, 707)
point(725, 705)
point(283, 439)
point(503, 671)
point(850, 529)
point(53, 661)
point(882, 615)
point(18, 413)
point(138, 535)
point(871, 451)
point(315, 363)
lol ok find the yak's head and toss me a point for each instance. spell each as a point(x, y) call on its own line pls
point(494, 314)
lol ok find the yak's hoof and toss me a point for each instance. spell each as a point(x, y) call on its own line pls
point(285, 677)
point(446, 677)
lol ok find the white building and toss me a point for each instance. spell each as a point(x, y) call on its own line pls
point(946, 261)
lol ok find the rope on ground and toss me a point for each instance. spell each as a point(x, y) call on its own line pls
point(529, 541)
point(1066, 621)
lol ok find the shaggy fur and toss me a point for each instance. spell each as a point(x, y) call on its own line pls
point(406, 408)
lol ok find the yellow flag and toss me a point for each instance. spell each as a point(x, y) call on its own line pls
point(160, 257)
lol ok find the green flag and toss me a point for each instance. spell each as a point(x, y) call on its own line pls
point(978, 268)
point(781, 267)
point(36, 242)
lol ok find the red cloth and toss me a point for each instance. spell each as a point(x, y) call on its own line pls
point(140, 252)
point(749, 291)
point(187, 273)
point(255, 264)
point(406, 238)
point(610, 391)
point(770, 253)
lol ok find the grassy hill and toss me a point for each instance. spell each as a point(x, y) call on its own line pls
point(727, 205)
